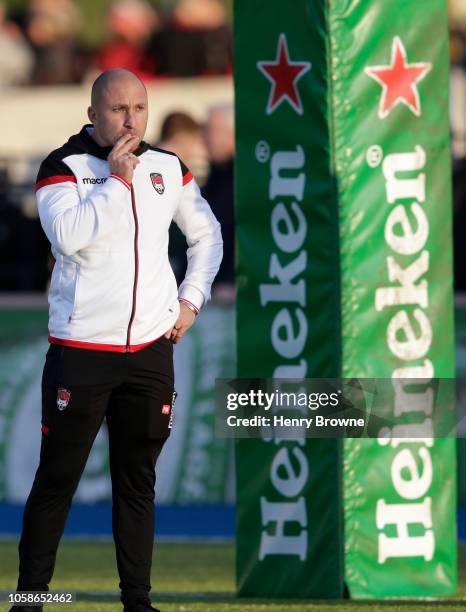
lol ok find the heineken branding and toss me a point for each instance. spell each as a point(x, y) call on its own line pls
point(399, 81)
point(406, 233)
point(394, 172)
point(286, 289)
point(344, 270)
point(285, 292)
point(284, 74)
point(286, 286)
point(281, 225)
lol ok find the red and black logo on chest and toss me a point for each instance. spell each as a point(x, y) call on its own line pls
point(157, 182)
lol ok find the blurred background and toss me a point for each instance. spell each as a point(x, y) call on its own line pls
point(50, 52)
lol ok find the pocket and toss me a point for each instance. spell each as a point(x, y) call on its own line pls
point(53, 366)
point(161, 415)
point(68, 284)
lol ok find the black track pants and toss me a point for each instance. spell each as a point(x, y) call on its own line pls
point(80, 388)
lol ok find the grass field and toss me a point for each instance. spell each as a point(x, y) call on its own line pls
point(186, 578)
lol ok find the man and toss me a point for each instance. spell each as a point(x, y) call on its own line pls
point(182, 134)
point(106, 200)
point(218, 190)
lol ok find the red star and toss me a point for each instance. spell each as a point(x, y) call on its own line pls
point(284, 75)
point(399, 81)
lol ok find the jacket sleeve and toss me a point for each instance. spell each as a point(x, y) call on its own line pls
point(196, 220)
point(72, 223)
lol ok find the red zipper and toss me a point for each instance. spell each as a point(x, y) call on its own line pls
point(136, 269)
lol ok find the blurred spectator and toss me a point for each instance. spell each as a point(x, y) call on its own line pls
point(218, 191)
point(195, 41)
point(458, 79)
point(16, 58)
point(131, 23)
point(457, 10)
point(459, 223)
point(182, 134)
point(23, 246)
point(458, 127)
point(51, 28)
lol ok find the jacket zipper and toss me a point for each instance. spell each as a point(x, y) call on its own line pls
point(136, 269)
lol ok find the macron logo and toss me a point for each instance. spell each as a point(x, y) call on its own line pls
point(94, 181)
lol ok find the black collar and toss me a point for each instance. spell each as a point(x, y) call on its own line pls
point(91, 146)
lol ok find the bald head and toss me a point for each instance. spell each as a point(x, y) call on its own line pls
point(116, 75)
point(118, 106)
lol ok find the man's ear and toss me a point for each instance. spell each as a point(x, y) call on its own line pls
point(91, 114)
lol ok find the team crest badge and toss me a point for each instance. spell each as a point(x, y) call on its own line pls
point(63, 398)
point(157, 182)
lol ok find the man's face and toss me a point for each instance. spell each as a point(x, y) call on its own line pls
point(120, 109)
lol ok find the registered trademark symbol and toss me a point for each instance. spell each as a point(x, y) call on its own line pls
point(262, 151)
point(374, 156)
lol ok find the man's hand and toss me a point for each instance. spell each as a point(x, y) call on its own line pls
point(183, 323)
point(121, 159)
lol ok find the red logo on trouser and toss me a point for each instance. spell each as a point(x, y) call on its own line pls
point(63, 398)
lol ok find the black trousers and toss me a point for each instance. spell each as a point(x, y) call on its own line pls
point(80, 388)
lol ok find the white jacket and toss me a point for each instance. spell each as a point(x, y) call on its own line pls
point(112, 285)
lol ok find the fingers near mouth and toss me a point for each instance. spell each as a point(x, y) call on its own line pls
point(133, 143)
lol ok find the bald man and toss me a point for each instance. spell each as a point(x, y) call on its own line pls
point(106, 200)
